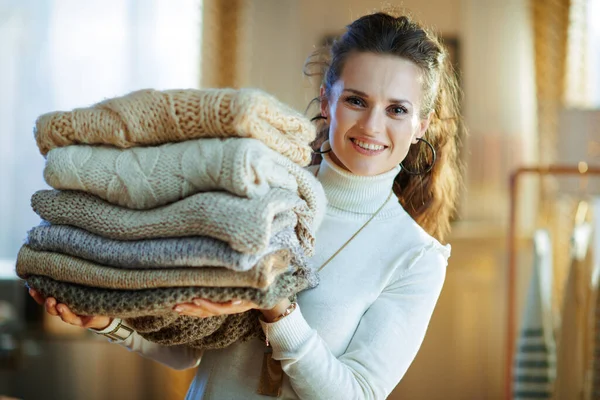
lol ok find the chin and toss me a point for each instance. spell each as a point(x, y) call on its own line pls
point(366, 170)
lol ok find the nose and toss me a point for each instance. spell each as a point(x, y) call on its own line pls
point(373, 121)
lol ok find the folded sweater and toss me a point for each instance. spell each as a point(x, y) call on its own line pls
point(150, 310)
point(245, 224)
point(207, 333)
point(71, 269)
point(151, 117)
point(191, 251)
point(147, 177)
point(85, 300)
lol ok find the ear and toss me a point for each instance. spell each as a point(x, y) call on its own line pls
point(423, 126)
point(324, 102)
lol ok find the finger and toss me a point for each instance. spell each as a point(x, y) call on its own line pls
point(36, 296)
point(51, 306)
point(230, 307)
point(209, 303)
point(192, 310)
point(67, 316)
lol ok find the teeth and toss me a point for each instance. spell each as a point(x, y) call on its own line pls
point(368, 146)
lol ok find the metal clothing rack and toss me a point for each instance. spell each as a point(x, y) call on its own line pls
point(554, 170)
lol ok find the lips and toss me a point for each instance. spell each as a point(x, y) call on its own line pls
point(368, 149)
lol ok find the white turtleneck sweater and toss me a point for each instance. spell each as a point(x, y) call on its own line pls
point(355, 335)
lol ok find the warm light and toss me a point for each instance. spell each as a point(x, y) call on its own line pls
point(583, 167)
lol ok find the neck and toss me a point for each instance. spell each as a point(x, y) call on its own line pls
point(354, 193)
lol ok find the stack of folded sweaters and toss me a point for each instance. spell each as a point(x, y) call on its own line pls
point(166, 196)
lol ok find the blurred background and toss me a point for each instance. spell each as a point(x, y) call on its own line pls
point(530, 73)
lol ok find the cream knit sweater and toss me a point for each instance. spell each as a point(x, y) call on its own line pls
point(355, 335)
point(147, 177)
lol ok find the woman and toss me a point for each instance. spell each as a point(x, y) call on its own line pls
point(388, 107)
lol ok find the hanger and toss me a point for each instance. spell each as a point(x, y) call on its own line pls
point(582, 229)
point(583, 206)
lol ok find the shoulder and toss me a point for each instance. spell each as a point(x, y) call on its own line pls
point(419, 256)
point(407, 231)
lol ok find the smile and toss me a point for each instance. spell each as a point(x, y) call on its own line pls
point(367, 148)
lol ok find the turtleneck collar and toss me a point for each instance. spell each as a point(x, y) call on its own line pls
point(354, 193)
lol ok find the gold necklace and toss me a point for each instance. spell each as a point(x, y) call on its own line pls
point(357, 232)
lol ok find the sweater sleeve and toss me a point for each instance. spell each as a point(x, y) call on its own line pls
point(177, 357)
point(382, 348)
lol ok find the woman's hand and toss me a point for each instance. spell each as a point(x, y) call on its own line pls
point(62, 311)
point(203, 308)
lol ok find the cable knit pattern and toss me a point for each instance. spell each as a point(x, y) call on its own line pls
point(192, 251)
point(70, 269)
point(147, 177)
point(245, 224)
point(150, 310)
point(151, 117)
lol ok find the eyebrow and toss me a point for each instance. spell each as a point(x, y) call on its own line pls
point(363, 94)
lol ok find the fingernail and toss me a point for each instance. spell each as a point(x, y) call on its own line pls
point(198, 302)
point(60, 309)
point(236, 302)
point(179, 309)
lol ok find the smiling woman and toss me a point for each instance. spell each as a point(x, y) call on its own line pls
point(374, 111)
point(394, 88)
point(388, 87)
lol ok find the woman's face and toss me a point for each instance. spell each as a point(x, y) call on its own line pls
point(373, 112)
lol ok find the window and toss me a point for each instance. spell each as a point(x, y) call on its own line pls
point(59, 55)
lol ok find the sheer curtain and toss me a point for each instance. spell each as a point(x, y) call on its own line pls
point(62, 54)
point(593, 45)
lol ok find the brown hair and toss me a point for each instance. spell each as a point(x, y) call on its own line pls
point(430, 198)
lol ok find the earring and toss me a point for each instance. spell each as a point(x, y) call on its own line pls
point(316, 118)
point(321, 151)
point(433, 158)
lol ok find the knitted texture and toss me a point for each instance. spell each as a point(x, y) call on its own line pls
point(215, 333)
point(245, 224)
point(151, 117)
point(85, 300)
point(151, 309)
point(192, 251)
point(70, 269)
point(147, 177)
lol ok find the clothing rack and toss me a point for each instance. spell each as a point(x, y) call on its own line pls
point(553, 170)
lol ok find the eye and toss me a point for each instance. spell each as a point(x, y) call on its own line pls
point(355, 101)
point(397, 110)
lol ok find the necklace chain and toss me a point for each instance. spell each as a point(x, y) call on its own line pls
point(357, 232)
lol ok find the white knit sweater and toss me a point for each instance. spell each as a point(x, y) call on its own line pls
point(356, 334)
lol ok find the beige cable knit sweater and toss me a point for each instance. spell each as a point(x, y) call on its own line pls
point(65, 268)
point(147, 177)
point(246, 224)
point(151, 117)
